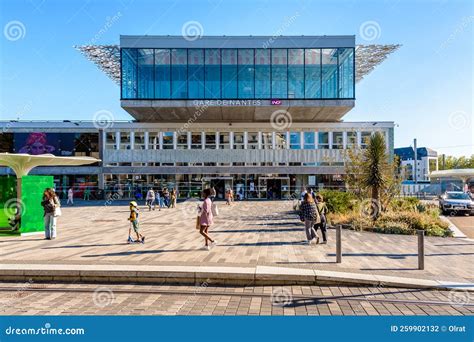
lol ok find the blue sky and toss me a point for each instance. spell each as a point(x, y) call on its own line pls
point(425, 87)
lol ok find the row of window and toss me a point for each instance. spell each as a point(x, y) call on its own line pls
point(235, 140)
point(237, 73)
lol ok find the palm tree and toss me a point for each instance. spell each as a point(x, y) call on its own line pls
point(375, 166)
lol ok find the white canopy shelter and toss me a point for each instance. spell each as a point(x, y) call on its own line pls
point(462, 174)
point(22, 164)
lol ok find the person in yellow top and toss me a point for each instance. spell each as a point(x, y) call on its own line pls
point(133, 218)
point(322, 210)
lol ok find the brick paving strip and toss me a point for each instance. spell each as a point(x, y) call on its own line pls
point(257, 242)
point(89, 299)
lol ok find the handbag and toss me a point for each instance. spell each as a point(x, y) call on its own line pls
point(198, 222)
point(57, 212)
point(214, 209)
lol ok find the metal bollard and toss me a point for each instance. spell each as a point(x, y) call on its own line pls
point(338, 244)
point(421, 249)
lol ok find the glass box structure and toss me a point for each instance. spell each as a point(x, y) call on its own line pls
point(237, 73)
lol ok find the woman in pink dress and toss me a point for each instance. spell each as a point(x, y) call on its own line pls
point(206, 218)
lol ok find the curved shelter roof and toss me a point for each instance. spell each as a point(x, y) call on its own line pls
point(463, 174)
point(22, 163)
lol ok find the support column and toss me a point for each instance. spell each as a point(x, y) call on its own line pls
point(132, 140)
point(147, 138)
point(117, 140)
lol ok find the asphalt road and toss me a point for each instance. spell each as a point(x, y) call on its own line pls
point(464, 223)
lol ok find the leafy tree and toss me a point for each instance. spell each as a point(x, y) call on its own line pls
point(451, 162)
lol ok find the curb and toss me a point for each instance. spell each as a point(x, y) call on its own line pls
point(239, 276)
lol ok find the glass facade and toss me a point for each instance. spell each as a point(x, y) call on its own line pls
point(237, 73)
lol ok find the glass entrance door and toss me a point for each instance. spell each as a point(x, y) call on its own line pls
point(221, 184)
point(274, 187)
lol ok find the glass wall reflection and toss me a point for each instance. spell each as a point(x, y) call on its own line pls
point(238, 73)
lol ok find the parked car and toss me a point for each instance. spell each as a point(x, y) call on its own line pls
point(456, 202)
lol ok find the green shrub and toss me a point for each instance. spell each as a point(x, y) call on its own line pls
point(406, 223)
point(404, 204)
point(339, 201)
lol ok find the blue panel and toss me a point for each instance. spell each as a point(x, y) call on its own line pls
point(346, 73)
point(309, 140)
point(262, 74)
point(179, 65)
point(229, 73)
point(145, 60)
point(313, 73)
point(295, 140)
point(296, 79)
point(196, 73)
point(246, 74)
point(162, 74)
point(129, 73)
point(329, 73)
point(279, 74)
point(212, 74)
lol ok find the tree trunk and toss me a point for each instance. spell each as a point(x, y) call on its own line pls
point(375, 203)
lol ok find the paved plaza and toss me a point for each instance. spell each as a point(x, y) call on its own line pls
point(93, 299)
point(247, 233)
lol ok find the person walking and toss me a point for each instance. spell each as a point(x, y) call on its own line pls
point(228, 197)
point(173, 196)
point(322, 211)
point(310, 216)
point(159, 199)
point(70, 196)
point(50, 204)
point(166, 196)
point(150, 199)
point(87, 193)
point(133, 218)
point(206, 219)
